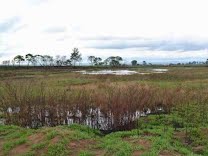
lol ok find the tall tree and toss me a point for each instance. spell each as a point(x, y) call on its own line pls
point(47, 60)
point(29, 58)
point(97, 61)
point(75, 56)
point(19, 59)
point(91, 59)
point(134, 62)
point(113, 60)
point(39, 59)
point(206, 61)
point(144, 63)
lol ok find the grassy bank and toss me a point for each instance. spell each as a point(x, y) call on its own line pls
point(151, 139)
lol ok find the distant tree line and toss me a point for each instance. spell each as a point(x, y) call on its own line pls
point(75, 58)
point(47, 60)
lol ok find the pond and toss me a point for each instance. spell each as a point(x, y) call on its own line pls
point(121, 72)
point(106, 121)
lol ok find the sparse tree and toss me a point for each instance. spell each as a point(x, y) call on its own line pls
point(75, 56)
point(47, 60)
point(134, 62)
point(113, 61)
point(58, 60)
point(207, 61)
point(67, 62)
point(19, 59)
point(91, 59)
point(29, 58)
point(144, 63)
point(39, 59)
point(97, 61)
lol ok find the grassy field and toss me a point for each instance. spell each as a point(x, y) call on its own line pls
point(154, 138)
point(188, 76)
point(182, 129)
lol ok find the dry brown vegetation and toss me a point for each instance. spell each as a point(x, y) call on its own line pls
point(108, 106)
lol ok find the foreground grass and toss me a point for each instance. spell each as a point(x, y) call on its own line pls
point(151, 139)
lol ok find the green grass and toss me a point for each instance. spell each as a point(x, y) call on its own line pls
point(11, 144)
point(58, 149)
point(160, 138)
point(39, 146)
point(51, 134)
point(86, 153)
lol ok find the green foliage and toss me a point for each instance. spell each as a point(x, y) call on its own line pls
point(51, 134)
point(115, 146)
point(85, 153)
point(85, 129)
point(75, 56)
point(30, 153)
point(59, 149)
point(39, 146)
point(11, 144)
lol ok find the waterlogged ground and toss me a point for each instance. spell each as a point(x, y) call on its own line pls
point(121, 72)
point(151, 139)
point(194, 77)
point(154, 137)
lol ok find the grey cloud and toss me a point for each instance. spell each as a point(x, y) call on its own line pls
point(147, 44)
point(9, 24)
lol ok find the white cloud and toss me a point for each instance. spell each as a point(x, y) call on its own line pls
point(73, 20)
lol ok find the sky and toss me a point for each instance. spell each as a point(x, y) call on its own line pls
point(151, 30)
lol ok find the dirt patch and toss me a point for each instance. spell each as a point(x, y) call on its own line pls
point(1, 147)
point(198, 149)
point(142, 142)
point(99, 152)
point(150, 134)
point(36, 138)
point(80, 145)
point(168, 153)
point(181, 136)
point(19, 150)
point(55, 140)
point(145, 144)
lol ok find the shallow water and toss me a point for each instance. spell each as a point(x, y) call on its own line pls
point(121, 72)
point(109, 72)
point(94, 118)
point(159, 70)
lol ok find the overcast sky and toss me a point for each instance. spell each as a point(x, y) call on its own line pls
point(152, 30)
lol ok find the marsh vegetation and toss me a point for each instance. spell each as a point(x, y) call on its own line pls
point(155, 105)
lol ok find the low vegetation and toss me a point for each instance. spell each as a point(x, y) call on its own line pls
point(140, 114)
point(154, 138)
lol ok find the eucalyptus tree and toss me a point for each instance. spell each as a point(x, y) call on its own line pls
point(67, 62)
point(19, 59)
point(46, 59)
point(39, 59)
point(75, 56)
point(58, 60)
point(134, 62)
point(144, 63)
point(113, 60)
point(91, 59)
point(206, 61)
point(29, 57)
point(63, 60)
point(97, 61)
